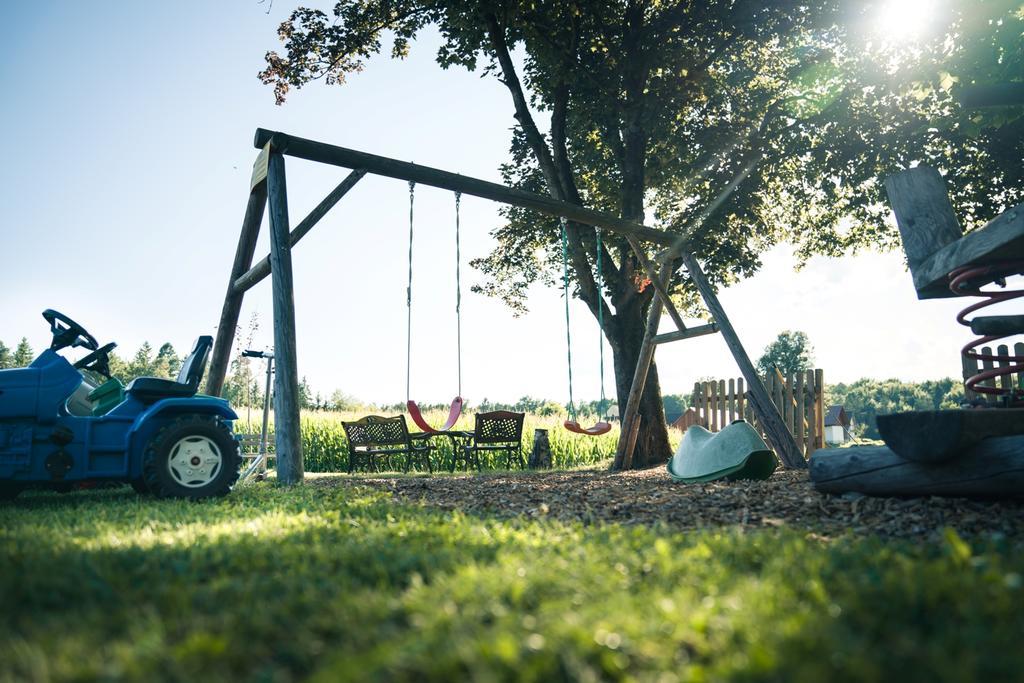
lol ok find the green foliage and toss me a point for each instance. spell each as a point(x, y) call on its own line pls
point(343, 584)
point(791, 352)
point(23, 354)
point(867, 398)
point(672, 100)
point(6, 360)
point(676, 403)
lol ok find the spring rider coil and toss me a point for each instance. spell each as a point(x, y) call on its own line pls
point(995, 379)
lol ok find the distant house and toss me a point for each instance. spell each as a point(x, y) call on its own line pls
point(837, 425)
point(686, 420)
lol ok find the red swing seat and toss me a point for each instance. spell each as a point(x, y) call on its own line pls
point(453, 416)
point(596, 430)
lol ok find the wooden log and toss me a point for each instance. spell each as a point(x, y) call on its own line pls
point(262, 269)
point(312, 150)
point(540, 456)
point(994, 468)
point(1002, 239)
point(688, 333)
point(287, 437)
point(768, 414)
point(924, 214)
point(221, 355)
point(937, 435)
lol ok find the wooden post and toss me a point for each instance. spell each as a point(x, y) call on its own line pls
point(819, 407)
point(540, 456)
point(631, 416)
point(257, 273)
point(791, 412)
point(723, 420)
point(221, 355)
point(732, 400)
point(924, 215)
point(288, 439)
point(769, 416)
point(801, 413)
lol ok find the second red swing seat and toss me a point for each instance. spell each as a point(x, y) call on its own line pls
point(596, 430)
point(453, 416)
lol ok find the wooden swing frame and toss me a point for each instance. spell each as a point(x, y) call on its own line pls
point(268, 189)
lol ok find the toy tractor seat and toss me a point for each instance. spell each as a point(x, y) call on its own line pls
point(152, 389)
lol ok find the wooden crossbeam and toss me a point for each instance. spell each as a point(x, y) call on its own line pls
point(334, 155)
point(688, 333)
point(262, 269)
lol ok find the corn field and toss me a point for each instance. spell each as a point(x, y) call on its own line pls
point(325, 448)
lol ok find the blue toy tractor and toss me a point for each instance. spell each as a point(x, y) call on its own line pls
point(60, 430)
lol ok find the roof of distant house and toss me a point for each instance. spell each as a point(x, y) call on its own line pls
point(836, 417)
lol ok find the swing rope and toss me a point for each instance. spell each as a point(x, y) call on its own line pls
point(458, 289)
point(455, 410)
point(568, 333)
point(408, 303)
point(600, 316)
point(572, 424)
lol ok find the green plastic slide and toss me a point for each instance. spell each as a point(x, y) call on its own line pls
point(736, 452)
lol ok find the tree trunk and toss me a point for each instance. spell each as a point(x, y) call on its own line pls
point(652, 446)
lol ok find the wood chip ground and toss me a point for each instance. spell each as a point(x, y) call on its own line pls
point(651, 497)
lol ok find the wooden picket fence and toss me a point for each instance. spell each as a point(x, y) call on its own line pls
point(1011, 381)
point(800, 399)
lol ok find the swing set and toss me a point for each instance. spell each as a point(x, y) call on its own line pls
point(268, 190)
point(456, 407)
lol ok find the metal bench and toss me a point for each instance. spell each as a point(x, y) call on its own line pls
point(374, 439)
point(499, 431)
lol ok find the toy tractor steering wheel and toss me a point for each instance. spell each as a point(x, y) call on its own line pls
point(98, 361)
point(71, 334)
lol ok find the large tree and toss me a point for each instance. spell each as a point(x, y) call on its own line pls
point(735, 122)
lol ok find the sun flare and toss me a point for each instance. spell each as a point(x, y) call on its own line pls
point(905, 19)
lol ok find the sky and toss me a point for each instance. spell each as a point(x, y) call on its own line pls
point(129, 132)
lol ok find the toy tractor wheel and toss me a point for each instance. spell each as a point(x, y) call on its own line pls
point(193, 457)
point(139, 486)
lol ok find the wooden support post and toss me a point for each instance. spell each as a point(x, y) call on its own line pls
point(262, 269)
point(688, 333)
point(819, 406)
point(221, 355)
point(631, 416)
point(660, 287)
point(766, 412)
point(288, 440)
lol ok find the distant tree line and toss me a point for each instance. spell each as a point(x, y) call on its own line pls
point(863, 399)
point(867, 398)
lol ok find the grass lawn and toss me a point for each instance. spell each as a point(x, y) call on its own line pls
point(343, 583)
